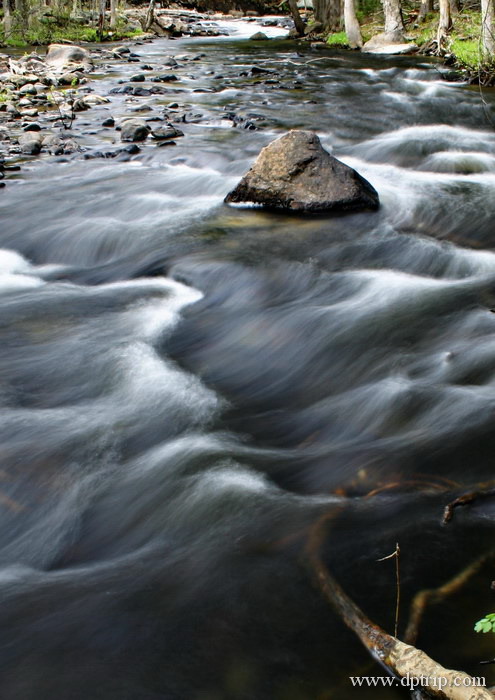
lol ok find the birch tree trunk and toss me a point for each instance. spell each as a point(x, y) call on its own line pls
point(113, 14)
point(150, 16)
point(351, 25)
point(394, 24)
point(444, 25)
point(7, 18)
point(487, 26)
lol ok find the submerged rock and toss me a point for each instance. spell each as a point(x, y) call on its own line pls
point(295, 173)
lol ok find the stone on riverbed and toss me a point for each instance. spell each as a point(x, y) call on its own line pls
point(61, 55)
point(389, 44)
point(134, 130)
point(30, 143)
point(163, 133)
point(259, 36)
point(295, 173)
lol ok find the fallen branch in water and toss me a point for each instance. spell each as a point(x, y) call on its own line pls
point(465, 500)
point(431, 596)
point(400, 659)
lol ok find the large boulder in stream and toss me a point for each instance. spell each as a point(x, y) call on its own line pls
point(295, 173)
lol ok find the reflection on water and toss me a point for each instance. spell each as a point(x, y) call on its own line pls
point(185, 388)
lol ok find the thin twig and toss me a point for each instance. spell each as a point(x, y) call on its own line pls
point(395, 555)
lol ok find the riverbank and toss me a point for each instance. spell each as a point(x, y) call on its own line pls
point(463, 50)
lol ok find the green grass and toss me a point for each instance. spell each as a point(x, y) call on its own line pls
point(337, 39)
point(427, 30)
point(467, 52)
point(64, 29)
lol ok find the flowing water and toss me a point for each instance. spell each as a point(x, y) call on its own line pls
point(186, 388)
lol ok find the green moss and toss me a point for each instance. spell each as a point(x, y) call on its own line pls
point(337, 39)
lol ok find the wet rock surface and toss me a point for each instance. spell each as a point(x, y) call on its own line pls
point(295, 173)
point(134, 130)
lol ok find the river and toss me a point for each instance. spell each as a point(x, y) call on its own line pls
point(186, 387)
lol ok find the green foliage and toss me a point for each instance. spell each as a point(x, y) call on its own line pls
point(486, 624)
point(368, 7)
point(15, 42)
point(40, 36)
point(337, 39)
point(467, 52)
point(428, 30)
point(51, 27)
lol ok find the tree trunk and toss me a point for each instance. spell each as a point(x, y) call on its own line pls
point(394, 24)
point(487, 26)
point(23, 16)
point(298, 23)
point(113, 14)
point(351, 24)
point(7, 18)
point(101, 18)
point(425, 8)
point(444, 25)
point(150, 16)
point(328, 13)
